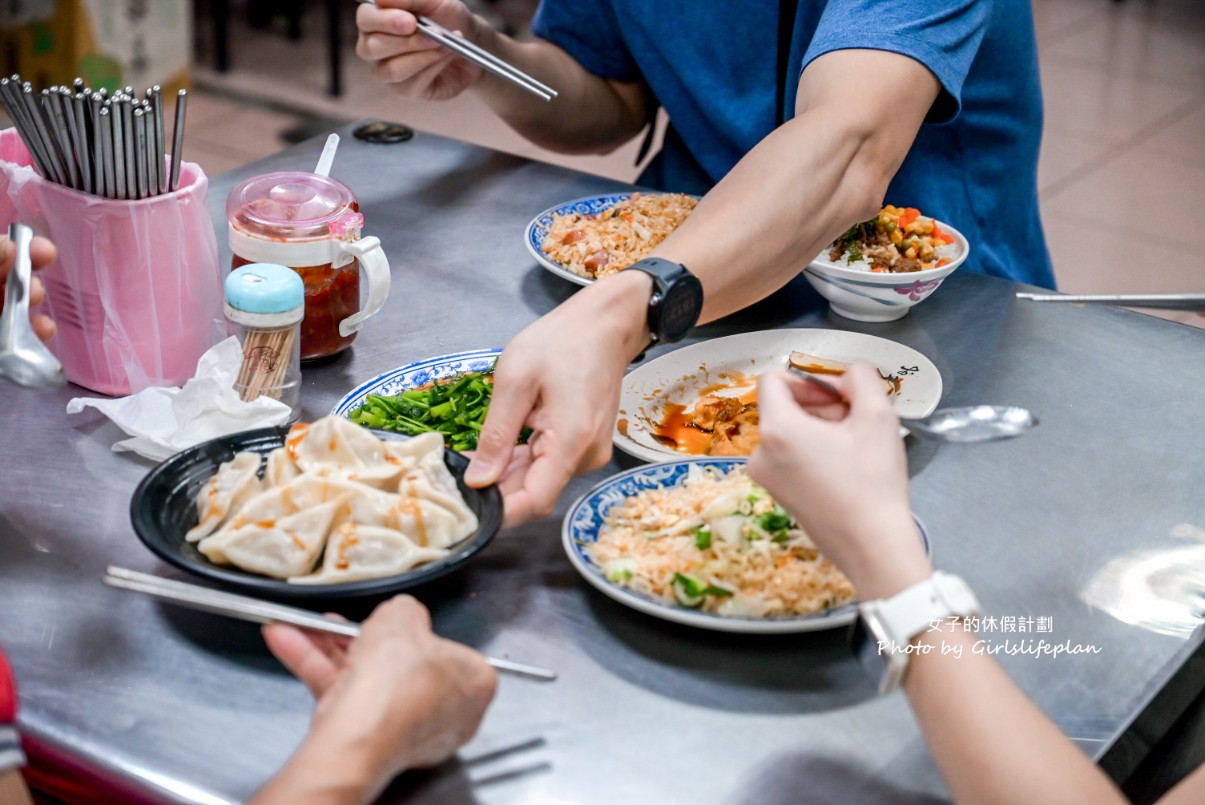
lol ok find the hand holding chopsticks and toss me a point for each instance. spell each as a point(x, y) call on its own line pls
point(245, 608)
point(479, 56)
point(398, 697)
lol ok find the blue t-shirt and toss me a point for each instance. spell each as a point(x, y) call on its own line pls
point(713, 67)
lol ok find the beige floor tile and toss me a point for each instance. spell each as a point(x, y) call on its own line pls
point(1086, 102)
point(216, 159)
point(244, 128)
point(1183, 139)
point(1055, 20)
point(1064, 156)
point(1146, 196)
point(1092, 259)
point(1142, 40)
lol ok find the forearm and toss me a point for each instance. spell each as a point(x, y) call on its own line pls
point(12, 789)
point(808, 181)
point(799, 188)
point(589, 114)
point(326, 772)
point(991, 743)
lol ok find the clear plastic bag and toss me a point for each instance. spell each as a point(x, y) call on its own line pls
point(137, 289)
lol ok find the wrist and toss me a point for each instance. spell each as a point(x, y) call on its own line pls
point(894, 560)
point(621, 303)
point(332, 766)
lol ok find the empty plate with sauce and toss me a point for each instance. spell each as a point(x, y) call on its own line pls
point(660, 416)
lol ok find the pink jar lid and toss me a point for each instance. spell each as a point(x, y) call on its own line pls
point(290, 205)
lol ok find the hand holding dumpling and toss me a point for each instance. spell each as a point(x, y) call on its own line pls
point(397, 697)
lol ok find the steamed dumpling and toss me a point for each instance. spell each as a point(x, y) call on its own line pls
point(280, 468)
point(280, 548)
point(357, 552)
point(234, 483)
point(334, 446)
point(406, 453)
point(377, 508)
point(419, 487)
point(419, 515)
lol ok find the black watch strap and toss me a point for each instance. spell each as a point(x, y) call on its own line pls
point(676, 301)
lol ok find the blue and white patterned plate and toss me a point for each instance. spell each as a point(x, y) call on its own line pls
point(537, 230)
point(585, 518)
point(416, 375)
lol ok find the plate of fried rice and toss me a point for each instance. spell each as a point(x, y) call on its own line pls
point(697, 542)
point(590, 237)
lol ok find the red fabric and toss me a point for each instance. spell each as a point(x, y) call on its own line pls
point(8, 693)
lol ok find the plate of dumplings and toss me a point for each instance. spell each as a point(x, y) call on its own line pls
point(325, 510)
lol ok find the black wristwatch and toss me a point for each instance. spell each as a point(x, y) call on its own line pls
point(676, 302)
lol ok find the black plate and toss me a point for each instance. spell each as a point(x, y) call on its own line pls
point(163, 509)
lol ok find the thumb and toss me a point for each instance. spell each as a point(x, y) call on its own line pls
point(510, 405)
point(865, 389)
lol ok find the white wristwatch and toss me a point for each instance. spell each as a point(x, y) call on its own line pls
point(884, 630)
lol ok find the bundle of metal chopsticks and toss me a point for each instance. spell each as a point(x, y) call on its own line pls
point(110, 145)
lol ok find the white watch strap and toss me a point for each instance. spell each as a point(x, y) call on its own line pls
point(910, 612)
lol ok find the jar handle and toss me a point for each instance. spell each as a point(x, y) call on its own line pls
point(376, 269)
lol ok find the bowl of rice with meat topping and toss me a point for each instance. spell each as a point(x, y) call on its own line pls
point(591, 237)
point(696, 541)
point(881, 268)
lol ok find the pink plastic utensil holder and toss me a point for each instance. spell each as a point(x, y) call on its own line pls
point(137, 289)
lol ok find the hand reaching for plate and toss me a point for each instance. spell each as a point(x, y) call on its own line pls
point(560, 376)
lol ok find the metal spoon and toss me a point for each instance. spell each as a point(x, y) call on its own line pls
point(24, 359)
point(974, 423)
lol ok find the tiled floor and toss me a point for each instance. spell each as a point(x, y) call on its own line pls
point(1122, 174)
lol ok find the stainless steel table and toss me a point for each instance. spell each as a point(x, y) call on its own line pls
point(185, 707)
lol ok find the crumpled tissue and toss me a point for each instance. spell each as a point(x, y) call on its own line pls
point(164, 421)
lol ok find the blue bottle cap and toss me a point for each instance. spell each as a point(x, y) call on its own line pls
point(264, 288)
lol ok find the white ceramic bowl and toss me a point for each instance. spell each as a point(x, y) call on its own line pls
point(865, 296)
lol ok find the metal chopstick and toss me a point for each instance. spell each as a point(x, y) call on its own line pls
point(33, 110)
point(104, 126)
point(488, 61)
point(57, 122)
point(119, 151)
point(82, 146)
point(10, 92)
point(127, 122)
point(480, 56)
point(155, 94)
point(178, 139)
point(256, 611)
point(1162, 301)
point(139, 139)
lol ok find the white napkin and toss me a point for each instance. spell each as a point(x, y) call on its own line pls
point(164, 421)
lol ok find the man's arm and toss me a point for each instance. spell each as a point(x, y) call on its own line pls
point(804, 184)
point(857, 113)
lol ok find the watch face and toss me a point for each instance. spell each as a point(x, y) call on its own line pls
point(680, 307)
